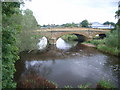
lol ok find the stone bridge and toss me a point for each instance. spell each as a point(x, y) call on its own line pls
point(54, 33)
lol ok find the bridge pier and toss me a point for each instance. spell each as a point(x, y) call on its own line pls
point(52, 40)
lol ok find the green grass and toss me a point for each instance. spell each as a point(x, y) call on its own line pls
point(105, 84)
point(109, 50)
point(100, 44)
point(95, 42)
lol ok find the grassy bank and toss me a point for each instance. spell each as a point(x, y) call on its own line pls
point(100, 45)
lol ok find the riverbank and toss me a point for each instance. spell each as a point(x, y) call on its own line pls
point(99, 44)
point(89, 45)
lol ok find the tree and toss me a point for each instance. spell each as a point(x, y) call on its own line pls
point(84, 23)
point(9, 48)
point(109, 23)
point(70, 25)
point(112, 38)
point(118, 14)
point(28, 20)
point(26, 40)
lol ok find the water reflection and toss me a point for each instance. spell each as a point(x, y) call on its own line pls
point(61, 44)
point(78, 65)
point(38, 68)
point(43, 43)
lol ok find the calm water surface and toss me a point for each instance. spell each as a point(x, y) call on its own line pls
point(69, 63)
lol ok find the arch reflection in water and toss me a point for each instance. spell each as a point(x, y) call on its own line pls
point(61, 44)
point(43, 43)
point(41, 68)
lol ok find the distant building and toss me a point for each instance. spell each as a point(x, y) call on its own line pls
point(101, 26)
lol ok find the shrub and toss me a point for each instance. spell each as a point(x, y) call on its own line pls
point(9, 57)
point(112, 38)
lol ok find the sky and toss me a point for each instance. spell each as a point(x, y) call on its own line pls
point(68, 11)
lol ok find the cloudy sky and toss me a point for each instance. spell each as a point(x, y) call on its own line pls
point(67, 11)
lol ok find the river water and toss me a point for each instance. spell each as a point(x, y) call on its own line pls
point(69, 63)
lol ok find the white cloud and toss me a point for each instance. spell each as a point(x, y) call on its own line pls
point(65, 11)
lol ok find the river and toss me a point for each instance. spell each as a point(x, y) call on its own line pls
point(69, 63)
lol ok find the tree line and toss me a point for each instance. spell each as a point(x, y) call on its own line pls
point(85, 23)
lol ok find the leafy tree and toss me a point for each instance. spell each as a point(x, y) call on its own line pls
point(26, 41)
point(70, 25)
point(109, 23)
point(118, 14)
point(28, 22)
point(9, 49)
point(84, 23)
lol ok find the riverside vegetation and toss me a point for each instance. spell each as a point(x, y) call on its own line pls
point(110, 44)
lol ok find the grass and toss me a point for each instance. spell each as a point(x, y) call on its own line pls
point(105, 84)
point(100, 44)
point(110, 50)
point(95, 42)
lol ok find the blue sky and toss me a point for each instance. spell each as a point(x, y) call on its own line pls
point(68, 11)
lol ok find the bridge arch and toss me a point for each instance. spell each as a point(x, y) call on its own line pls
point(80, 36)
point(99, 33)
point(75, 33)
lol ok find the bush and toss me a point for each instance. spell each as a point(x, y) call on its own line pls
point(112, 38)
point(9, 56)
